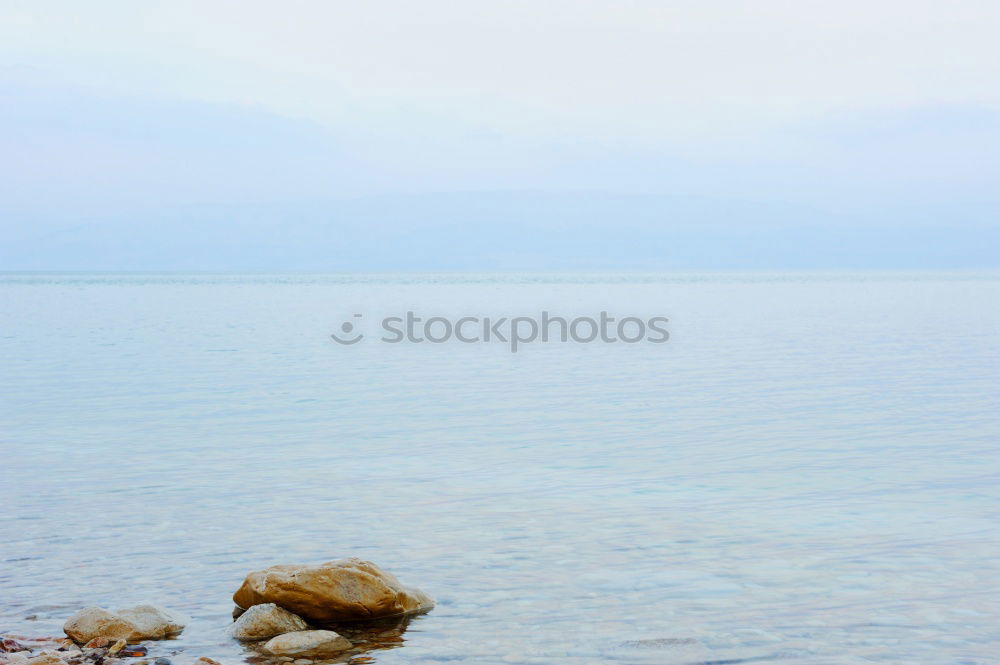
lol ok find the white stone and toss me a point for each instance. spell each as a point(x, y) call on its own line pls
point(262, 622)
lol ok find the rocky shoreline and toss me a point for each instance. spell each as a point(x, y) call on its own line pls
point(300, 614)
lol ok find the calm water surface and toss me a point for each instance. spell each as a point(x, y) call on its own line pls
point(807, 472)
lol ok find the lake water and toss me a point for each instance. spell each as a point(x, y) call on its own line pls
point(808, 471)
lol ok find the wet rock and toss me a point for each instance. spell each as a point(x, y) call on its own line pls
point(92, 622)
point(307, 644)
point(98, 643)
point(153, 622)
point(8, 645)
point(15, 658)
point(343, 590)
point(237, 612)
point(302, 661)
point(132, 624)
point(116, 647)
point(262, 622)
point(204, 660)
point(162, 661)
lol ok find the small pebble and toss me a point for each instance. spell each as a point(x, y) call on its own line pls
point(301, 661)
point(68, 645)
point(162, 661)
point(9, 645)
point(204, 660)
point(97, 643)
point(133, 651)
point(116, 647)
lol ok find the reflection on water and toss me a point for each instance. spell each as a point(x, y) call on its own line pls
point(372, 635)
point(366, 636)
point(806, 473)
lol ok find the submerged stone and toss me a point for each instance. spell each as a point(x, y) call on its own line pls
point(307, 644)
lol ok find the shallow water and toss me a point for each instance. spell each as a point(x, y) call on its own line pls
point(807, 472)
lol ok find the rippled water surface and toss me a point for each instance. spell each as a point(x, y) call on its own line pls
point(807, 472)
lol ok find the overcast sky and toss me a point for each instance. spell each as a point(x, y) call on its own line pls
point(490, 135)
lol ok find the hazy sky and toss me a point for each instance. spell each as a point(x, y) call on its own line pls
point(464, 135)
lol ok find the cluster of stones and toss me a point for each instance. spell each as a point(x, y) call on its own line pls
point(99, 637)
point(65, 652)
point(275, 608)
point(285, 634)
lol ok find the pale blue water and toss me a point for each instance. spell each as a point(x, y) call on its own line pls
point(807, 472)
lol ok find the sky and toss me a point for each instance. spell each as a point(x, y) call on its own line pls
point(542, 135)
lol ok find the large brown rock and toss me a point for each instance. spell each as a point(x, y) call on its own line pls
point(343, 590)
